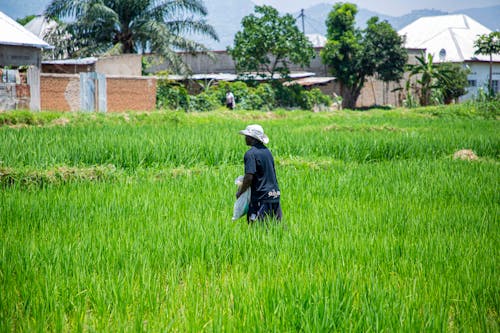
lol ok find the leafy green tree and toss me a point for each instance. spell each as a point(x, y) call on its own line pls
point(488, 44)
point(269, 43)
point(385, 46)
point(134, 26)
point(353, 54)
point(25, 20)
point(452, 81)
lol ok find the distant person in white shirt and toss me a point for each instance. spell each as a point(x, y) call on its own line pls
point(230, 103)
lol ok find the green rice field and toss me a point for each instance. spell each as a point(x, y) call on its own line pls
point(122, 223)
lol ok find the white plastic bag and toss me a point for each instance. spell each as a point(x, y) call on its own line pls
point(241, 205)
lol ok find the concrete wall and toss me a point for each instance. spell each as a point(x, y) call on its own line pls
point(221, 62)
point(15, 92)
point(61, 92)
point(124, 64)
point(19, 56)
point(316, 65)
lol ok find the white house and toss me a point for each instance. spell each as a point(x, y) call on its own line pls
point(450, 38)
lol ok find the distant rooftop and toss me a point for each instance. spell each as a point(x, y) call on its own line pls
point(449, 38)
point(317, 40)
point(40, 25)
point(16, 35)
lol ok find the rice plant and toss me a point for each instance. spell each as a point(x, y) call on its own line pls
point(383, 230)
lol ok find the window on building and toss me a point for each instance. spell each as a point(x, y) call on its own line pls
point(494, 85)
point(472, 83)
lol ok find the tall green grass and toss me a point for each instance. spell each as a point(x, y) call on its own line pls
point(382, 229)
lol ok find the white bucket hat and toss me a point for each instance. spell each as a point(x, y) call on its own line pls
point(256, 132)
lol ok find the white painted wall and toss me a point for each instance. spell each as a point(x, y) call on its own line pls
point(480, 72)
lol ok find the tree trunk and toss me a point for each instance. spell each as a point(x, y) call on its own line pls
point(349, 97)
point(490, 83)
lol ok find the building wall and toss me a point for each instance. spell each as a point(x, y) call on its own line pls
point(124, 64)
point(316, 65)
point(61, 92)
point(19, 56)
point(479, 77)
point(131, 93)
point(221, 62)
point(377, 92)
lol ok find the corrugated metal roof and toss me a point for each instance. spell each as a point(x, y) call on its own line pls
point(311, 81)
point(80, 61)
point(234, 77)
point(12, 33)
point(447, 37)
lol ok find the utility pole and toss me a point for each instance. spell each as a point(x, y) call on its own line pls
point(302, 16)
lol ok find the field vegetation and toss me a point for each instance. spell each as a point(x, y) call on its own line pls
point(122, 222)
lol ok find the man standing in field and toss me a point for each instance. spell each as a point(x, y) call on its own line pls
point(260, 177)
point(230, 101)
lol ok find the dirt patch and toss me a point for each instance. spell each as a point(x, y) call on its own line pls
point(60, 122)
point(465, 155)
point(363, 128)
point(18, 126)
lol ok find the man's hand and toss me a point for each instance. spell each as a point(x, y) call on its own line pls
point(247, 182)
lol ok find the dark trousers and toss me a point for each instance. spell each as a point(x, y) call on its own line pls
point(260, 211)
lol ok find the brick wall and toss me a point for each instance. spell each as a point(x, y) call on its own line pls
point(131, 93)
point(61, 92)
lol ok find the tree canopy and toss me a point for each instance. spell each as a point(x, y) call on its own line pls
point(134, 26)
point(269, 43)
point(353, 54)
point(452, 81)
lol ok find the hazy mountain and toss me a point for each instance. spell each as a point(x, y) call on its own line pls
point(226, 17)
point(489, 16)
point(315, 17)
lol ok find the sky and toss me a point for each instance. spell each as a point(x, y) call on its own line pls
point(388, 7)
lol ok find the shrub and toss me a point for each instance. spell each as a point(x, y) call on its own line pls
point(264, 96)
point(171, 95)
point(288, 96)
point(203, 102)
point(315, 97)
point(267, 95)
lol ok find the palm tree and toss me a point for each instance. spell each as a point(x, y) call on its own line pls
point(428, 74)
point(134, 26)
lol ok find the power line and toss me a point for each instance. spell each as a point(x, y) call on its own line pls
point(303, 17)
